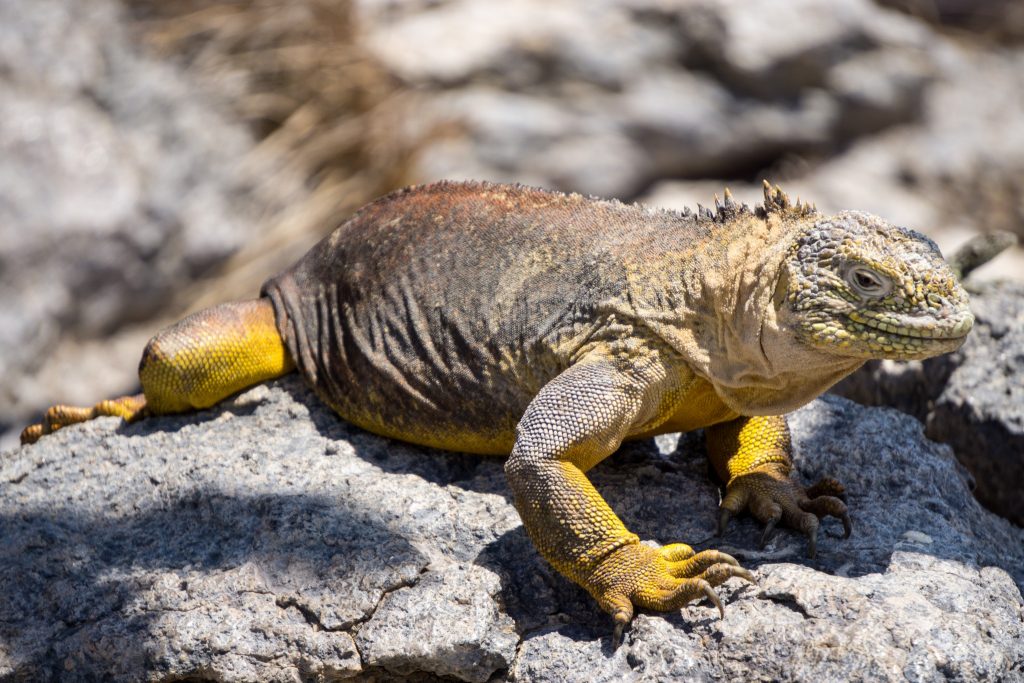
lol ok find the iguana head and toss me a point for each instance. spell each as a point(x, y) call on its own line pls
point(857, 286)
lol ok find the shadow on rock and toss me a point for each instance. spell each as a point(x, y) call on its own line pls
point(210, 545)
point(174, 423)
point(63, 570)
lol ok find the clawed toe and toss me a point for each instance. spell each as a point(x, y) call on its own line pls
point(653, 578)
point(812, 541)
point(31, 434)
point(622, 618)
point(766, 535)
point(711, 595)
point(723, 521)
point(720, 573)
point(59, 416)
point(676, 552)
point(772, 498)
point(700, 563)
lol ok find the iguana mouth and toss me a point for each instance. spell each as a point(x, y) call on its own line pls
point(913, 327)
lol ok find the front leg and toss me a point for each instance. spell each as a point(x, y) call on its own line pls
point(577, 420)
point(752, 456)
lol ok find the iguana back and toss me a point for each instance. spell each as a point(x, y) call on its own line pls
point(444, 308)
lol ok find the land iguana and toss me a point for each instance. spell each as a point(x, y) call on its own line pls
point(550, 327)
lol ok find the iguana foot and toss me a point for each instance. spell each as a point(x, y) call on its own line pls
point(771, 496)
point(660, 579)
point(127, 407)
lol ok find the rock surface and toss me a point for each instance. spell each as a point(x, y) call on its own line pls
point(266, 539)
point(973, 399)
point(650, 89)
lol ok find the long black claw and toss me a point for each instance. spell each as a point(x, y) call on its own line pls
point(723, 521)
point(617, 634)
point(812, 543)
point(766, 535)
point(713, 597)
point(622, 619)
point(847, 525)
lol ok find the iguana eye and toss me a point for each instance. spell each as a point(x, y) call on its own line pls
point(867, 282)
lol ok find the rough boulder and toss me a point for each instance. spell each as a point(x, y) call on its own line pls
point(267, 539)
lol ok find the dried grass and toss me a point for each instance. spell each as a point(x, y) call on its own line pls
point(332, 124)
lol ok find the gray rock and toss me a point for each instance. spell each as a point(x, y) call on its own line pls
point(980, 412)
point(267, 539)
point(879, 89)
point(448, 624)
point(516, 44)
point(536, 139)
point(120, 182)
point(973, 399)
point(689, 125)
point(1002, 19)
point(779, 50)
point(606, 97)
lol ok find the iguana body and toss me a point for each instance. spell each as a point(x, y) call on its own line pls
point(510, 320)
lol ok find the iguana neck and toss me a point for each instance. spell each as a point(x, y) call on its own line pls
point(717, 312)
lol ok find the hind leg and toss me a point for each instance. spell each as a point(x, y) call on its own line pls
point(198, 361)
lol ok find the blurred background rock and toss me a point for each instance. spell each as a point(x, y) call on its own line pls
point(157, 156)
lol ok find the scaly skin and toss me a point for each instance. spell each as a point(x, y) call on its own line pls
point(550, 328)
point(193, 364)
point(751, 455)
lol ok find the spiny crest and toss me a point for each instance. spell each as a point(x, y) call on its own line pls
point(725, 209)
point(777, 201)
point(728, 208)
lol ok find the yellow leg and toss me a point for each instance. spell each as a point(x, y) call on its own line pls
point(192, 364)
point(751, 454)
point(576, 420)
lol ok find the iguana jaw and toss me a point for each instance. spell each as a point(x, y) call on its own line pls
point(915, 327)
point(897, 337)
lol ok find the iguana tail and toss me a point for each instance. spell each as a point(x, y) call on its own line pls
point(193, 364)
